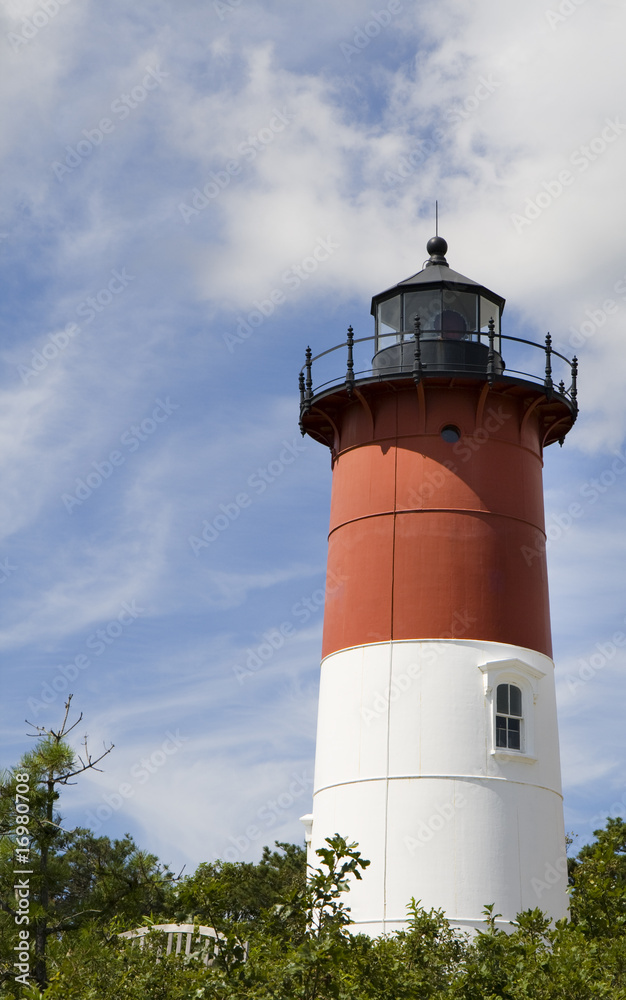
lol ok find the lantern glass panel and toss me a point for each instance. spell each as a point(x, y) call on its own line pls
point(459, 315)
point(427, 305)
point(388, 322)
point(445, 313)
point(489, 310)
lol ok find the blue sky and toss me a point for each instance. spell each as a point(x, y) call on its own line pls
point(130, 365)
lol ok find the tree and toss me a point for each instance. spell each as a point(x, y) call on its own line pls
point(293, 946)
point(237, 892)
point(598, 881)
point(300, 947)
point(64, 877)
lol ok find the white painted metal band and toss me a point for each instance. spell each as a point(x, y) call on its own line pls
point(439, 777)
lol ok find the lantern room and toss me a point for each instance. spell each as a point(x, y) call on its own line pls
point(452, 313)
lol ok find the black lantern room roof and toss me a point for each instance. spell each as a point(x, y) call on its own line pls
point(437, 272)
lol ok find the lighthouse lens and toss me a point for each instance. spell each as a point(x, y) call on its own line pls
point(452, 324)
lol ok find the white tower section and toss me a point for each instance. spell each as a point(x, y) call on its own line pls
point(408, 765)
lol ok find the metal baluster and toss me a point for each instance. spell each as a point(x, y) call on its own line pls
point(491, 357)
point(548, 383)
point(574, 392)
point(417, 357)
point(350, 368)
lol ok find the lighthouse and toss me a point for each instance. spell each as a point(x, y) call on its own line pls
point(437, 743)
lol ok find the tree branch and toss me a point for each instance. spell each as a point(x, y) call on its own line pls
point(87, 765)
point(79, 913)
point(7, 909)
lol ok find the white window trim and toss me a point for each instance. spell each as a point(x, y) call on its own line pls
point(512, 671)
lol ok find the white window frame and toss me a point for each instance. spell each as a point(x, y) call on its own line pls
point(508, 715)
point(526, 678)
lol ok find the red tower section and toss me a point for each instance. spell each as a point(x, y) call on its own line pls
point(442, 537)
point(437, 522)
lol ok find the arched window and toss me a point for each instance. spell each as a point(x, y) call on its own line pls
point(509, 717)
point(512, 693)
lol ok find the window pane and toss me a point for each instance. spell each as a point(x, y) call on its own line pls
point(388, 322)
point(516, 701)
point(500, 731)
point(459, 314)
point(426, 305)
point(489, 310)
point(502, 699)
point(514, 734)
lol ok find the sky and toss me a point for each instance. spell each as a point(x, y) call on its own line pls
point(192, 193)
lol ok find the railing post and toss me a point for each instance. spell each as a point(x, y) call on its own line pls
point(306, 389)
point(417, 357)
point(309, 380)
point(575, 382)
point(491, 357)
point(350, 368)
point(301, 386)
point(548, 383)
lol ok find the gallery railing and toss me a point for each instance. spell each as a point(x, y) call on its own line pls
point(412, 355)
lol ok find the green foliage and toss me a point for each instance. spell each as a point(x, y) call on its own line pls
point(329, 883)
point(418, 962)
point(50, 760)
point(598, 877)
point(108, 879)
point(287, 940)
point(283, 935)
point(319, 956)
point(237, 892)
point(88, 965)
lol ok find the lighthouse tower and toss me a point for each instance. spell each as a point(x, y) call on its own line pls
point(437, 744)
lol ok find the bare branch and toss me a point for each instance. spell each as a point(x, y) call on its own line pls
point(88, 764)
point(49, 822)
point(62, 733)
point(65, 717)
point(39, 730)
point(59, 926)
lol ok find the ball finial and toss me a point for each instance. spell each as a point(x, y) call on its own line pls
point(437, 246)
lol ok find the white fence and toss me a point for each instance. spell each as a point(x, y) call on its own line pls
point(175, 935)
